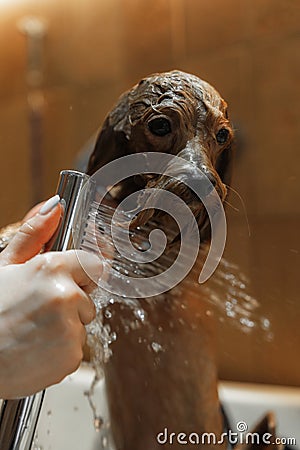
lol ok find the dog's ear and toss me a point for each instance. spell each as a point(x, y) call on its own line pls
point(112, 141)
point(224, 164)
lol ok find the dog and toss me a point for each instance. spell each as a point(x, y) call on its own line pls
point(174, 389)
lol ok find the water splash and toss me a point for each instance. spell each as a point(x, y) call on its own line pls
point(226, 293)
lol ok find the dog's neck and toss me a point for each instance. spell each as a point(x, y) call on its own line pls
point(162, 373)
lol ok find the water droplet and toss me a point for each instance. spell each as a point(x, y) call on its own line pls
point(108, 314)
point(113, 336)
point(104, 441)
point(98, 422)
point(265, 323)
point(140, 314)
point(156, 347)
point(248, 323)
point(144, 246)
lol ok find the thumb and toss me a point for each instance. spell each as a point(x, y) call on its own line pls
point(34, 233)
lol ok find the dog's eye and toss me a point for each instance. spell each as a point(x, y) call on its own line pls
point(222, 136)
point(160, 126)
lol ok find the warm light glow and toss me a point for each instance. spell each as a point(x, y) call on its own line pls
point(9, 2)
point(11, 6)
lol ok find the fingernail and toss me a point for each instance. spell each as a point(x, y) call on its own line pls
point(49, 205)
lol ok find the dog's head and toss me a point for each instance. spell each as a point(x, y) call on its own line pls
point(175, 113)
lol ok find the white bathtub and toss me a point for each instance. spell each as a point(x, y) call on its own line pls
point(66, 421)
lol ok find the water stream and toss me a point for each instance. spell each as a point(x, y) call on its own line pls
point(226, 293)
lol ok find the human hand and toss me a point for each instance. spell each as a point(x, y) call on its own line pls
point(44, 305)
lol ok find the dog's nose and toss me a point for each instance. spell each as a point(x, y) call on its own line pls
point(201, 184)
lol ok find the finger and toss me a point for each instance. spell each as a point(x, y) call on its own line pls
point(33, 211)
point(85, 268)
point(33, 234)
point(86, 309)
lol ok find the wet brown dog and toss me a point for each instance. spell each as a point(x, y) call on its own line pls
point(169, 387)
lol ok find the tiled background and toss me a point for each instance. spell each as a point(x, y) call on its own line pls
point(248, 49)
